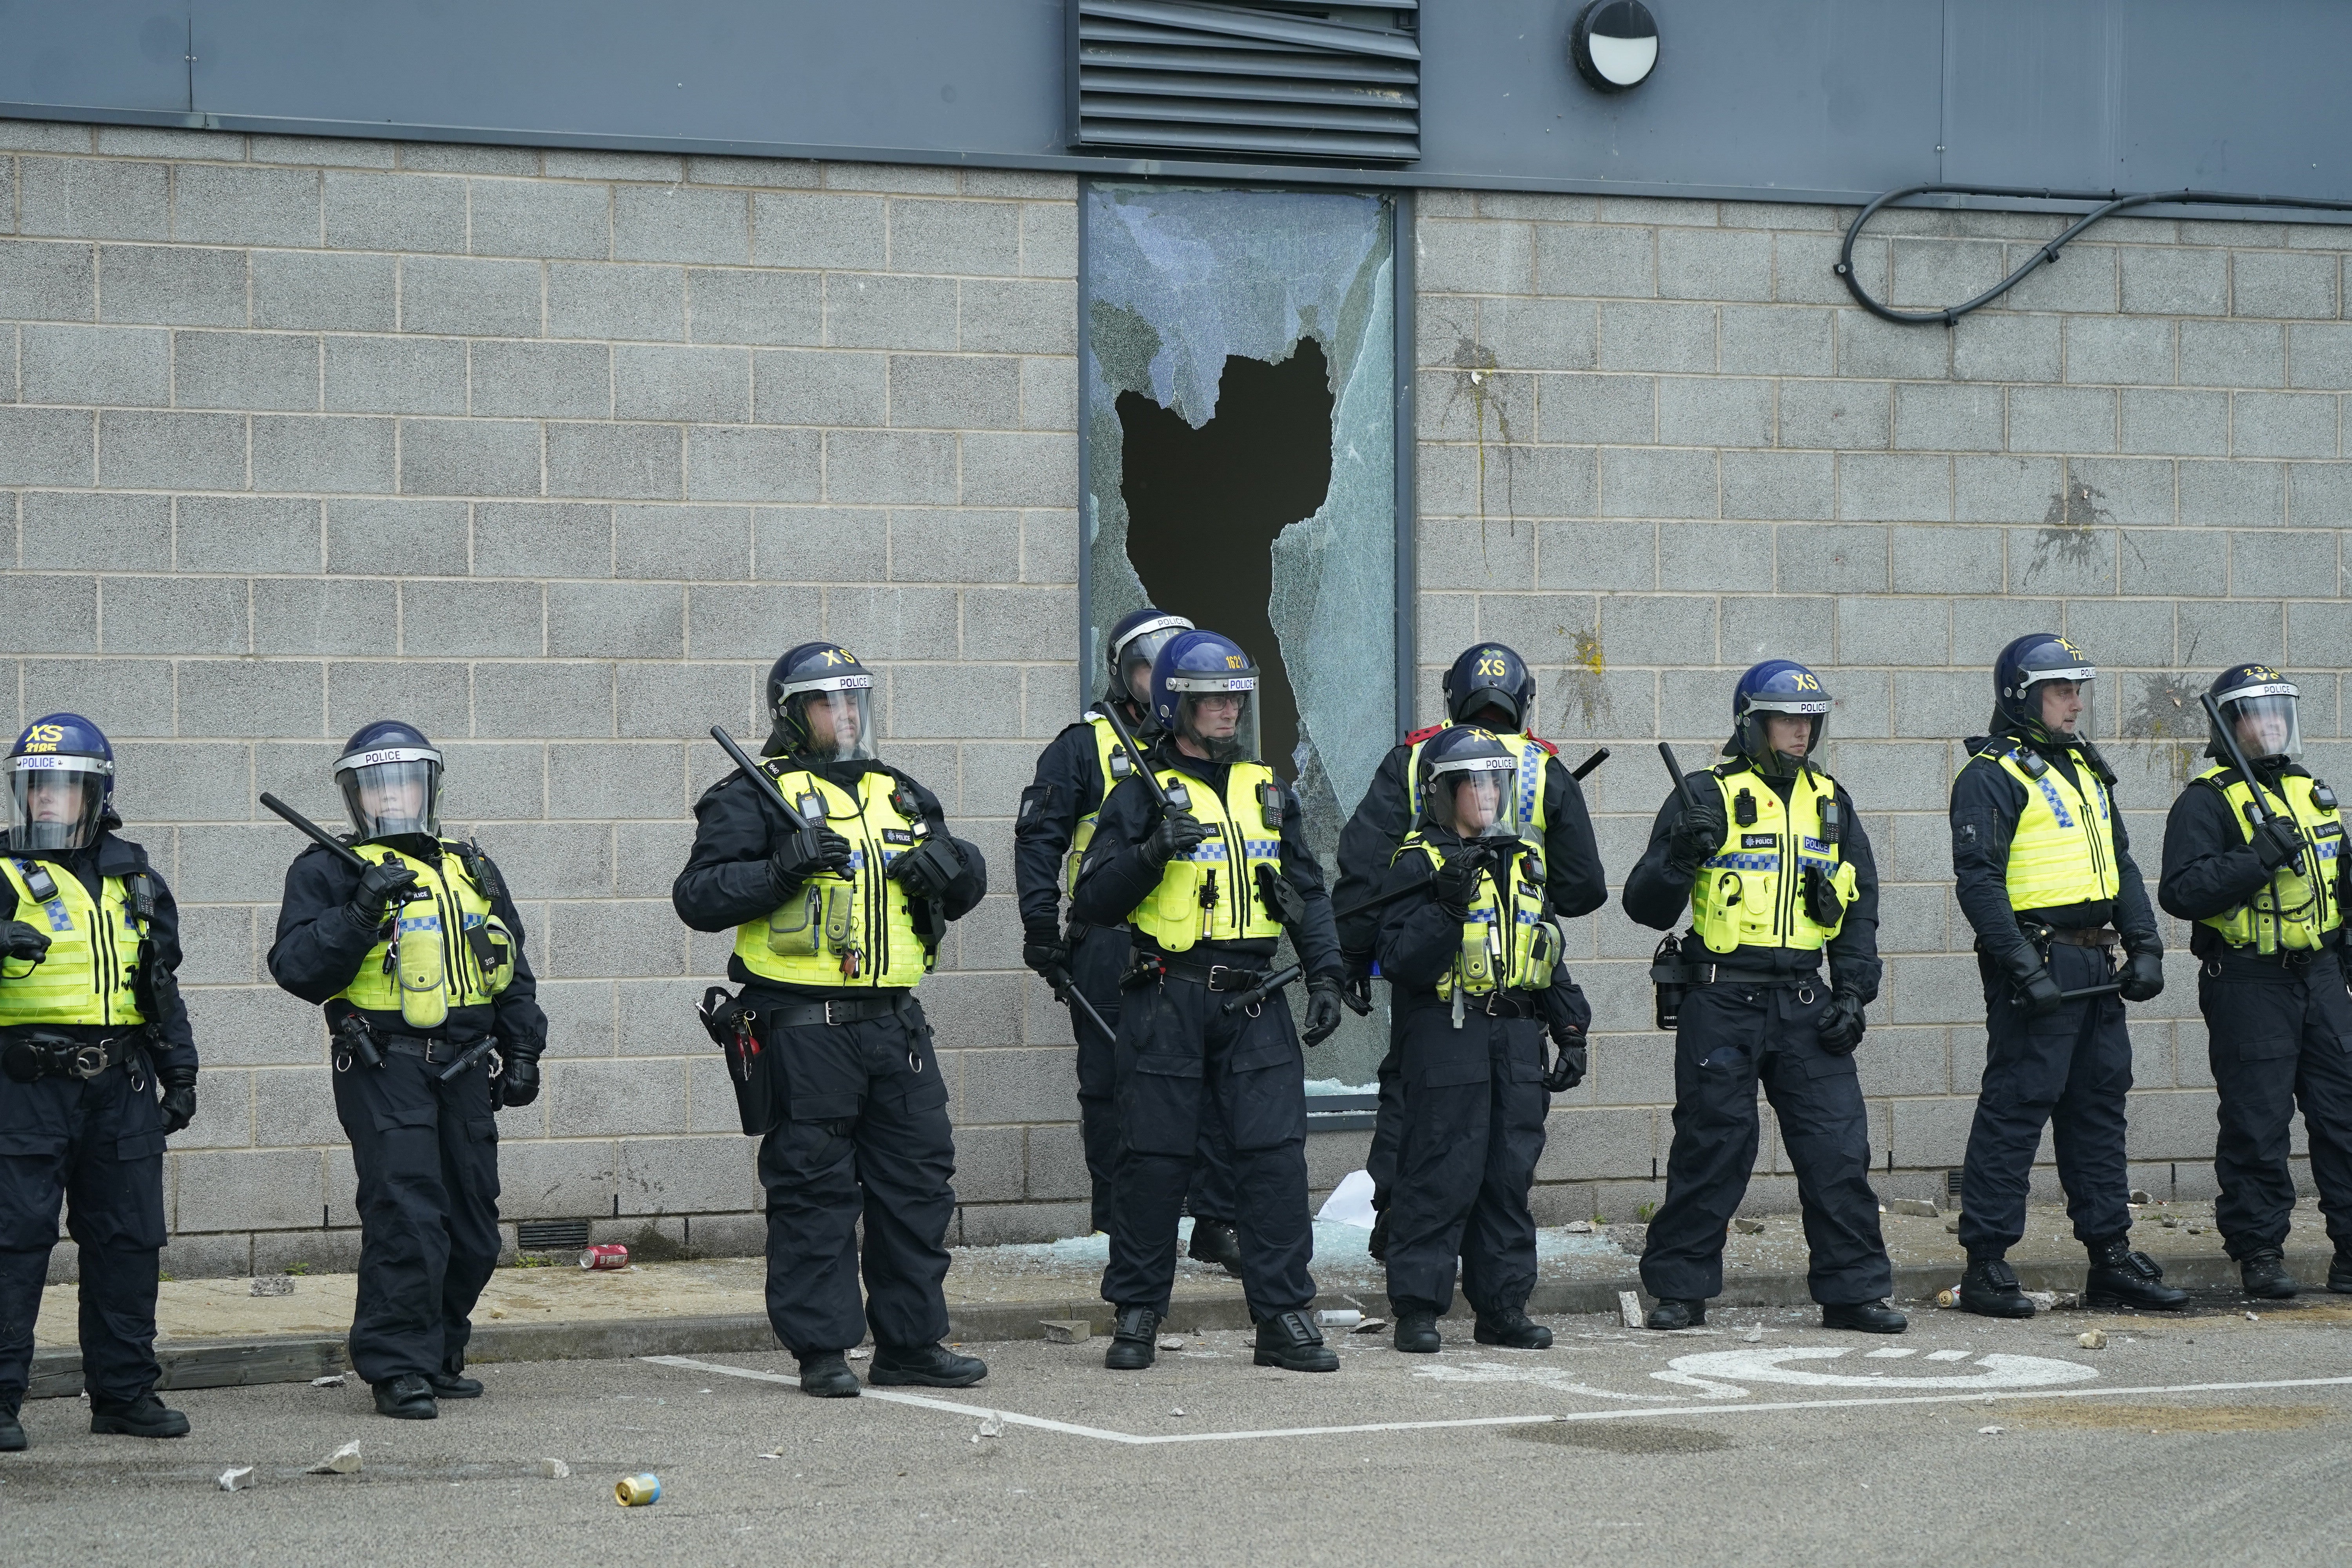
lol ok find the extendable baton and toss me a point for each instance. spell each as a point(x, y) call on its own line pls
point(761, 783)
point(1674, 770)
point(1584, 768)
point(1065, 990)
point(1264, 989)
point(327, 841)
point(1135, 754)
point(479, 1049)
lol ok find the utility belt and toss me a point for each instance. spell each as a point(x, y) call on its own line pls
point(836, 1010)
point(2284, 966)
point(743, 1034)
point(436, 1053)
point(34, 1055)
point(1155, 968)
point(2094, 936)
point(1673, 976)
point(1493, 1004)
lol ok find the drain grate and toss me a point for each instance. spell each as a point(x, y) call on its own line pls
point(551, 1235)
point(1952, 1183)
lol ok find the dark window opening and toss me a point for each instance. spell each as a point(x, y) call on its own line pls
point(1204, 505)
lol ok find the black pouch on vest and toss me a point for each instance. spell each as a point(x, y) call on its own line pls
point(1279, 898)
point(733, 1028)
point(1821, 902)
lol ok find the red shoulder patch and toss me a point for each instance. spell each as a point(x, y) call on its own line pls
point(1547, 745)
point(1418, 736)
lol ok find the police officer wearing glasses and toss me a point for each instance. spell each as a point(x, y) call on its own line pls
point(2262, 881)
point(2065, 937)
point(1210, 881)
point(419, 966)
point(1771, 863)
point(90, 1026)
point(836, 924)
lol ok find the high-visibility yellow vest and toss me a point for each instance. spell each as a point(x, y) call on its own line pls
point(1212, 894)
point(1532, 754)
point(442, 951)
point(2294, 909)
point(1758, 889)
point(90, 973)
point(2063, 851)
point(1113, 764)
point(1512, 948)
point(851, 928)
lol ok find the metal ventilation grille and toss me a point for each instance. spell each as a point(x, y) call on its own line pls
point(1275, 80)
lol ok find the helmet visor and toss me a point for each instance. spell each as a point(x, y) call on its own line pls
point(1218, 714)
point(838, 722)
point(2264, 724)
point(1475, 798)
point(54, 802)
point(1133, 660)
point(388, 793)
point(2062, 703)
point(1782, 732)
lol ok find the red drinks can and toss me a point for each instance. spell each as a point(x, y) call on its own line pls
point(610, 1255)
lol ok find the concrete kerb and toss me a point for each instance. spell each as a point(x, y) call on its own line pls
point(300, 1358)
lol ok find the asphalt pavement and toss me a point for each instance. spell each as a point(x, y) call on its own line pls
point(1763, 1439)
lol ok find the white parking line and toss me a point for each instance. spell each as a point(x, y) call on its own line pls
point(977, 1412)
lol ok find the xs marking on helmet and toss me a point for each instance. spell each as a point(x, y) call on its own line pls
point(1491, 663)
point(1806, 682)
point(52, 733)
point(2070, 647)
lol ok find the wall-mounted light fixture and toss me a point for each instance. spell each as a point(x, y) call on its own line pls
point(1614, 44)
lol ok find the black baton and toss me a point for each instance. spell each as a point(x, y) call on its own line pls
point(1264, 989)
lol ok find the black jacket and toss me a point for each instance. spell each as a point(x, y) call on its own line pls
point(1419, 942)
point(1068, 785)
point(1574, 883)
point(171, 1043)
point(728, 880)
point(2209, 867)
point(320, 948)
point(1658, 899)
point(1985, 804)
point(1116, 875)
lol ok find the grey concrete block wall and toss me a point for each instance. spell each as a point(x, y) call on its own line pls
point(2142, 446)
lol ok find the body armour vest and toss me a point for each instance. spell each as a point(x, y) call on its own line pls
point(853, 927)
point(91, 972)
point(2299, 905)
point(1508, 943)
point(1212, 894)
point(441, 950)
point(1532, 754)
point(2063, 851)
point(1778, 879)
point(1115, 764)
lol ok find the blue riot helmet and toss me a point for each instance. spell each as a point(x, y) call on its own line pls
point(390, 779)
point(1776, 686)
point(1135, 642)
point(821, 698)
point(1469, 784)
point(61, 784)
point(2259, 704)
point(1486, 675)
point(1205, 691)
point(2033, 661)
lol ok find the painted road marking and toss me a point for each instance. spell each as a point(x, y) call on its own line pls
point(1890, 1354)
point(979, 1412)
point(1712, 1370)
point(1948, 1355)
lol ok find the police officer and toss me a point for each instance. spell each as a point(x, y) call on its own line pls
point(1488, 686)
point(418, 963)
point(1476, 960)
point(2267, 901)
point(90, 1025)
point(1050, 835)
point(1771, 863)
point(1210, 882)
point(836, 924)
point(2046, 878)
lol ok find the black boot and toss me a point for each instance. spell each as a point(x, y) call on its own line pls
point(2122, 1277)
point(1378, 1244)
point(2339, 1274)
point(145, 1416)
point(1511, 1328)
point(1215, 1241)
point(825, 1375)
point(1674, 1313)
point(1416, 1329)
point(924, 1366)
point(1134, 1340)
point(1989, 1290)
point(408, 1397)
point(2264, 1274)
point(455, 1386)
point(12, 1433)
point(1864, 1317)
point(1288, 1341)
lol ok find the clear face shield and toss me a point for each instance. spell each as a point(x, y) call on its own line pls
point(2064, 707)
point(1782, 735)
point(54, 802)
point(2264, 724)
point(836, 719)
point(1135, 662)
point(391, 792)
point(1219, 716)
point(1476, 797)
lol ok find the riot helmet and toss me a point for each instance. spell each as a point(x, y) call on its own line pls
point(1469, 785)
point(2259, 704)
point(1204, 693)
point(1135, 642)
point(1488, 676)
point(391, 778)
point(60, 786)
point(822, 701)
point(1781, 688)
point(2039, 672)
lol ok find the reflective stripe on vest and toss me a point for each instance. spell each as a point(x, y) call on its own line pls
point(2063, 851)
point(2292, 910)
point(1113, 764)
point(1211, 895)
point(1751, 891)
point(86, 976)
point(1499, 954)
point(1532, 757)
point(851, 929)
point(456, 908)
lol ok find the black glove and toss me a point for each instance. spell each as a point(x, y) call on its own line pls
point(179, 1104)
point(808, 852)
point(1044, 951)
point(1176, 834)
point(1568, 1062)
point(1698, 835)
point(1356, 982)
point(2276, 843)
point(2037, 992)
point(2143, 976)
point(380, 885)
point(18, 939)
point(1843, 1023)
point(929, 868)
point(1456, 880)
point(518, 1079)
point(1322, 1009)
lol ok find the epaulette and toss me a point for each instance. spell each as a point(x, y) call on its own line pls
point(1547, 745)
point(1418, 736)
